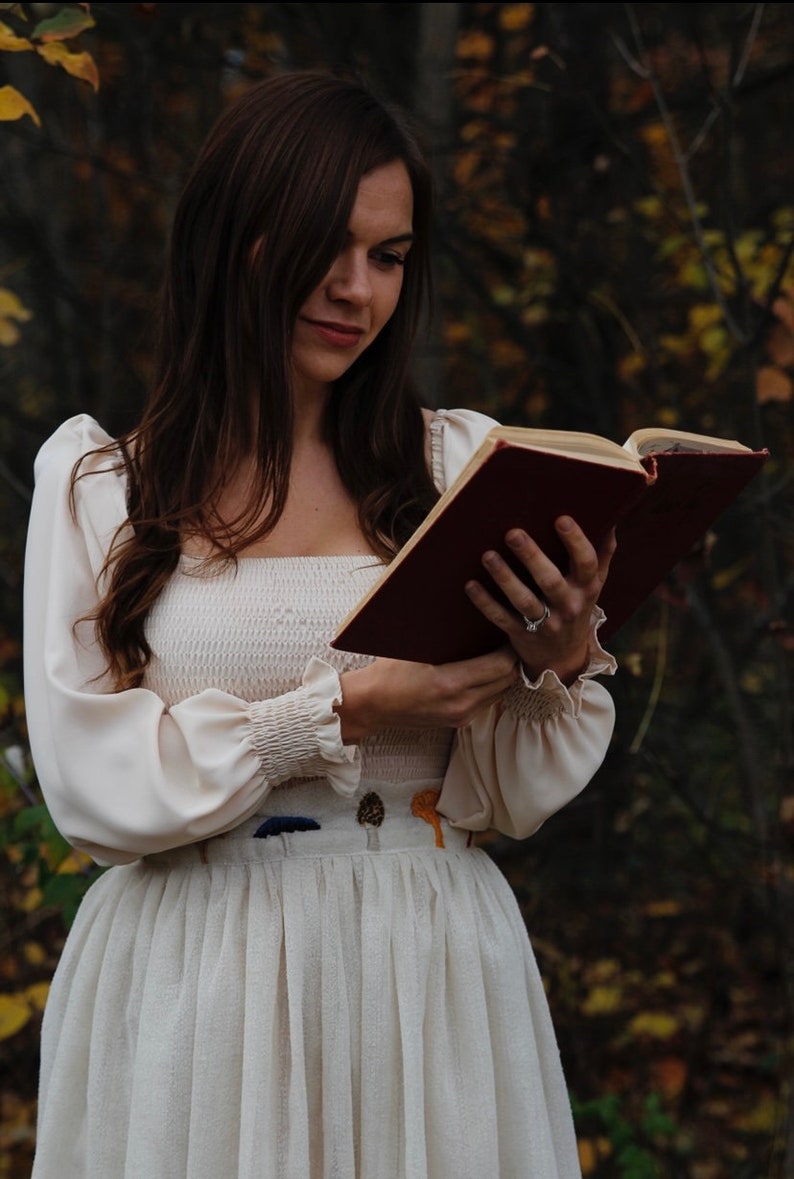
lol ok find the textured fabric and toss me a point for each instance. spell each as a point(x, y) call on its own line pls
point(299, 968)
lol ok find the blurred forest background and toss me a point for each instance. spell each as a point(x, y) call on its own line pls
point(613, 250)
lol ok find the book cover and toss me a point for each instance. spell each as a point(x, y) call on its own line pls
point(690, 492)
point(662, 504)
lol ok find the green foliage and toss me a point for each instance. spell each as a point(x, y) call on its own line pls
point(43, 872)
point(625, 1147)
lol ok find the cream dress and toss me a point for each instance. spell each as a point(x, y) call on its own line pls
point(298, 966)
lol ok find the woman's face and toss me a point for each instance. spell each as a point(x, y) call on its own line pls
point(358, 295)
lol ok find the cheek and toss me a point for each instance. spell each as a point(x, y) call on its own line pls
point(390, 298)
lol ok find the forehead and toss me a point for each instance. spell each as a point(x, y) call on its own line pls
point(384, 202)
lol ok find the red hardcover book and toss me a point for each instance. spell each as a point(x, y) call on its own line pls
point(662, 490)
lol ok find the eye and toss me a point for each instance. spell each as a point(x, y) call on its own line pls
point(387, 259)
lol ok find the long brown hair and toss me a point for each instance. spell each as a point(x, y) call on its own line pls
point(262, 216)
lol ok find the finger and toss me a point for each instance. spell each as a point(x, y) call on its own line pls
point(482, 669)
point(583, 558)
point(545, 574)
point(518, 593)
point(506, 620)
point(606, 551)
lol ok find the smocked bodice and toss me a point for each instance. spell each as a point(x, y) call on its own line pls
point(251, 630)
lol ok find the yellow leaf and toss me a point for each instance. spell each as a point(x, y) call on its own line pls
point(36, 994)
point(11, 42)
point(457, 333)
point(603, 1001)
point(9, 333)
point(765, 1115)
point(74, 861)
point(714, 341)
point(662, 908)
point(668, 415)
point(515, 16)
point(658, 1025)
point(14, 105)
point(726, 577)
point(704, 315)
point(79, 65)
point(12, 307)
point(31, 900)
point(14, 1014)
point(476, 45)
point(604, 969)
point(591, 1152)
point(34, 953)
point(772, 384)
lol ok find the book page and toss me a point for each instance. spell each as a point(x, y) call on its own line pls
point(654, 440)
point(573, 443)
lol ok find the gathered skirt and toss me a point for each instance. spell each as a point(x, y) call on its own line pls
point(357, 999)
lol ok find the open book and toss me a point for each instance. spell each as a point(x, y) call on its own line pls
point(662, 489)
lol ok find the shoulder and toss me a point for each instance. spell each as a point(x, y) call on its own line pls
point(95, 502)
point(74, 439)
point(454, 435)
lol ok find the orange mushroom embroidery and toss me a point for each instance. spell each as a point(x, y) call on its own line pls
point(423, 806)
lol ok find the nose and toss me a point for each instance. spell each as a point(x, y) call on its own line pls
point(349, 279)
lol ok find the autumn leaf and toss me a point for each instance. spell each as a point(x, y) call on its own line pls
point(36, 995)
point(34, 954)
point(662, 908)
point(476, 45)
point(657, 1025)
point(783, 307)
point(762, 1117)
point(669, 1075)
point(591, 1152)
point(69, 22)
point(772, 384)
point(79, 65)
point(513, 17)
point(603, 1000)
point(74, 861)
point(12, 311)
point(14, 105)
point(10, 42)
point(780, 345)
point(14, 1014)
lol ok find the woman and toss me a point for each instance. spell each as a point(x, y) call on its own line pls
point(298, 965)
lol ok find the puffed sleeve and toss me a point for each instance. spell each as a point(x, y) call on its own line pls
point(534, 750)
point(122, 775)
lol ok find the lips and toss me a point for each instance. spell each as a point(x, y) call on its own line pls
point(339, 335)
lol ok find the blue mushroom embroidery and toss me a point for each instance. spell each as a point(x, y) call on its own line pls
point(283, 824)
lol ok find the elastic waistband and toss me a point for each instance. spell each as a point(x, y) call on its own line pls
point(310, 819)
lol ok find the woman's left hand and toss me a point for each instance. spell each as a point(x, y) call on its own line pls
point(562, 642)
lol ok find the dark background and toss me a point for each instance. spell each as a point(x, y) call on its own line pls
point(613, 250)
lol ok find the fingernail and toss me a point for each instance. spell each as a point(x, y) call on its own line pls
point(514, 539)
point(490, 558)
point(565, 523)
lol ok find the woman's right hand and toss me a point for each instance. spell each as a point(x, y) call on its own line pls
point(393, 693)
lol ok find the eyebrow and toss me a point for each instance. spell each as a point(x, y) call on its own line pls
point(400, 237)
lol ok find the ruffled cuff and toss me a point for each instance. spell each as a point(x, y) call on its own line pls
point(300, 735)
point(550, 696)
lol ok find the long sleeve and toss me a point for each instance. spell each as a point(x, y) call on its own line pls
point(123, 775)
point(528, 755)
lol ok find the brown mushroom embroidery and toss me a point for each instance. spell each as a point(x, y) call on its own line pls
point(371, 811)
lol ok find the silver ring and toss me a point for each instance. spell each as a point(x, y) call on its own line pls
point(533, 625)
